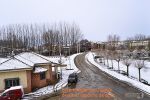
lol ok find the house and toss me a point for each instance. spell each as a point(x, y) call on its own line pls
point(28, 69)
point(143, 44)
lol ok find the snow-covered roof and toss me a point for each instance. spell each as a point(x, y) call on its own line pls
point(3, 59)
point(39, 69)
point(32, 58)
point(23, 61)
point(13, 64)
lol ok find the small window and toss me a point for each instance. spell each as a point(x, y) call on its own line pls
point(42, 76)
point(11, 82)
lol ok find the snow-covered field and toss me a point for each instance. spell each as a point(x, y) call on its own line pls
point(133, 71)
point(65, 74)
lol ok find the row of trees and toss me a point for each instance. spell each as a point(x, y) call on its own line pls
point(138, 37)
point(134, 50)
point(139, 41)
point(40, 38)
point(117, 56)
point(124, 54)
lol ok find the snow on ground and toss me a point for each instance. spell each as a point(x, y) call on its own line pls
point(132, 71)
point(65, 74)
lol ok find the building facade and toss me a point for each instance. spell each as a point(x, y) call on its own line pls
point(29, 69)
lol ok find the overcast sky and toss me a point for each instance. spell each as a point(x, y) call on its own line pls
point(96, 18)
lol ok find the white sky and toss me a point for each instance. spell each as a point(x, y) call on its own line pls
point(96, 18)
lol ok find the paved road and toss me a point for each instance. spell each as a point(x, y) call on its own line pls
point(94, 79)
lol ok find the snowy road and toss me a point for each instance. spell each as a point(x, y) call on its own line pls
point(93, 78)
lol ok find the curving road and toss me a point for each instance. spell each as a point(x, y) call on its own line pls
point(93, 78)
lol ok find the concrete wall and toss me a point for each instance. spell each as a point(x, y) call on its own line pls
point(29, 84)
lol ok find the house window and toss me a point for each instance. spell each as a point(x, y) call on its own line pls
point(11, 82)
point(42, 75)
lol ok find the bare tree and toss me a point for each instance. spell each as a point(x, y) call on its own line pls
point(118, 58)
point(127, 62)
point(112, 41)
point(139, 37)
point(107, 57)
point(102, 54)
point(139, 64)
point(39, 37)
point(112, 58)
point(148, 42)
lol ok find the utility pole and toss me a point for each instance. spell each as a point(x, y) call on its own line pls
point(69, 59)
point(60, 53)
point(79, 47)
point(60, 60)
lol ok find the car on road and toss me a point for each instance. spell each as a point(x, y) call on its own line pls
point(13, 93)
point(73, 78)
